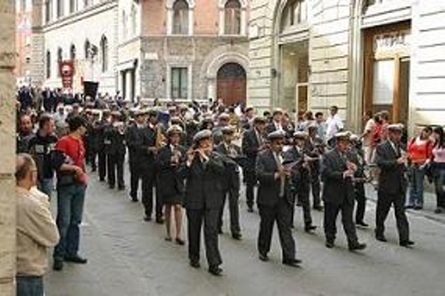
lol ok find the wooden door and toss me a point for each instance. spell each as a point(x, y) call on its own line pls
point(231, 84)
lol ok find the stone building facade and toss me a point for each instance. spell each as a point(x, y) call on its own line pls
point(23, 41)
point(357, 54)
point(183, 49)
point(84, 32)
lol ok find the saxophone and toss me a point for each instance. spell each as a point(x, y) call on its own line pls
point(159, 137)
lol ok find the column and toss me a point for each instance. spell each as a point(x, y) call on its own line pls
point(7, 157)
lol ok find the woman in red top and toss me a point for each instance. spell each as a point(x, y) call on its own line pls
point(68, 160)
point(419, 152)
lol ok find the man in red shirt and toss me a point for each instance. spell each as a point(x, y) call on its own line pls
point(69, 162)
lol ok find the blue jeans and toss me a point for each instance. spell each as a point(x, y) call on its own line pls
point(416, 186)
point(70, 201)
point(29, 285)
point(46, 186)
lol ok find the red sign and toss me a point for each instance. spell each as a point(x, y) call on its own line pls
point(66, 70)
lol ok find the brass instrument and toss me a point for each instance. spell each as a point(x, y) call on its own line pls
point(159, 137)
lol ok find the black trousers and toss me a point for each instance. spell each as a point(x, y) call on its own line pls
point(149, 176)
point(233, 195)
point(93, 156)
point(331, 212)
point(315, 184)
point(360, 198)
point(251, 181)
point(384, 203)
point(115, 166)
point(135, 176)
point(196, 219)
point(102, 161)
point(304, 201)
point(281, 213)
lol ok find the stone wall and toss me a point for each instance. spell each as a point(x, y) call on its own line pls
point(7, 157)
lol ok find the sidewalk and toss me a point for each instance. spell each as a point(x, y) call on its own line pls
point(428, 207)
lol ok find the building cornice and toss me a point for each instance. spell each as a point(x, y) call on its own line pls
point(80, 15)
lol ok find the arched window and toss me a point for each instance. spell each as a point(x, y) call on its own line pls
point(59, 58)
point(72, 52)
point(133, 20)
point(294, 13)
point(104, 53)
point(181, 17)
point(48, 64)
point(232, 17)
point(87, 49)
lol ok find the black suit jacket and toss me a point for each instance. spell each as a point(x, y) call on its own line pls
point(392, 175)
point(171, 182)
point(300, 174)
point(232, 168)
point(139, 140)
point(250, 147)
point(204, 183)
point(269, 188)
point(336, 189)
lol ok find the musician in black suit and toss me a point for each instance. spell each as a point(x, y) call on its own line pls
point(338, 192)
point(315, 148)
point(133, 139)
point(277, 124)
point(204, 172)
point(115, 136)
point(392, 185)
point(230, 151)
point(301, 177)
point(100, 132)
point(252, 143)
point(275, 201)
point(171, 184)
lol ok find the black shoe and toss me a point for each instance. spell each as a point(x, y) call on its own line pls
point(362, 224)
point(195, 264)
point(111, 186)
point(101, 179)
point(263, 257)
point(121, 187)
point(250, 209)
point(406, 244)
point(438, 211)
point(147, 218)
point(179, 241)
point(318, 208)
point(417, 208)
point(292, 262)
point(409, 207)
point(76, 259)
point(357, 247)
point(220, 231)
point(236, 236)
point(57, 265)
point(160, 220)
point(310, 228)
point(93, 170)
point(329, 244)
point(215, 270)
point(133, 198)
point(381, 238)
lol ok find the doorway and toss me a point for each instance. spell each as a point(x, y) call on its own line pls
point(231, 84)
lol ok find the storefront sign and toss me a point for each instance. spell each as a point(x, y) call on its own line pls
point(66, 70)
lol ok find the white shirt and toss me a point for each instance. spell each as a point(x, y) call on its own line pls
point(333, 125)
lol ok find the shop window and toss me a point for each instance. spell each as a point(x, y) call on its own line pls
point(179, 83)
point(294, 13)
point(232, 18)
point(181, 17)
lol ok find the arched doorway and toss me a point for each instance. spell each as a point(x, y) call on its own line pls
point(231, 84)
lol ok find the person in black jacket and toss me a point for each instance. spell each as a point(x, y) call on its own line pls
point(133, 139)
point(171, 183)
point(338, 192)
point(301, 177)
point(392, 185)
point(252, 143)
point(275, 200)
point(101, 143)
point(204, 172)
point(115, 136)
point(231, 152)
point(41, 146)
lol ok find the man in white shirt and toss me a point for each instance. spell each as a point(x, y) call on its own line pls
point(334, 124)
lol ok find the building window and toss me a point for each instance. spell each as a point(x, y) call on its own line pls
point(294, 13)
point(181, 17)
point(73, 52)
point(59, 59)
point(24, 6)
point(48, 64)
point(104, 53)
point(87, 49)
point(60, 8)
point(179, 83)
point(133, 20)
point(232, 18)
point(73, 6)
point(124, 25)
point(47, 11)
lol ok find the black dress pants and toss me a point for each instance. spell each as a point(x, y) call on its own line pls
point(330, 217)
point(102, 160)
point(233, 195)
point(251, 181)
point(115, 167)
point(360, 198)
point(384, 202)
point(148, 183)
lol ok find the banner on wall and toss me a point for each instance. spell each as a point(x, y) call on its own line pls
point(67, 70)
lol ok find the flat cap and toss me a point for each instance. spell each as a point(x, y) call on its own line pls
point(300, 135)
point(224, 116)
point(228, 130)
point(354, 138)
point(397, 127)
point(116, 113)
point(201, 135)
point(345, 136)
point(152, 113)
point(277, 111)
point(174, 129)
point(276, 135)
point(95, 111)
